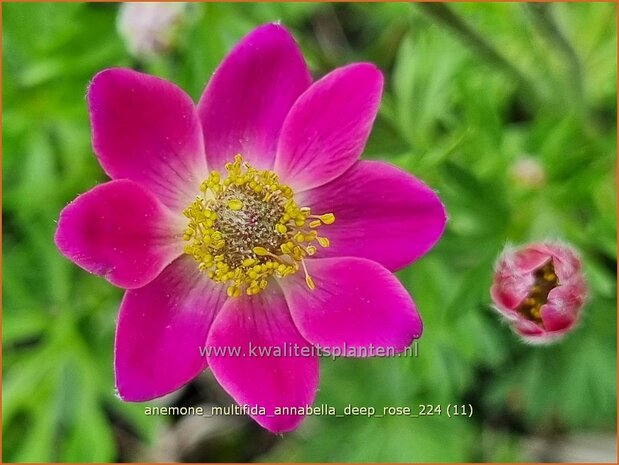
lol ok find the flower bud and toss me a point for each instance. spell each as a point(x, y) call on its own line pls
point(540, 290)
point(149, 28)
point(528, 172)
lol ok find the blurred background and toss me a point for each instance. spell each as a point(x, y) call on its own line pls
point(508, 110)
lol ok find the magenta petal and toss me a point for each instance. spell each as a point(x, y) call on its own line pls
point(529, 259)
point(566, 263)
point(120, 231)
point(328, 126)
point(146, 129)
point(245, 103)
point(562, 310)
point(533, 334)
point(356, 303)
point(381, 213)
point(528, 329)
point(269, 381)
point(555, 319)
point(161, 329)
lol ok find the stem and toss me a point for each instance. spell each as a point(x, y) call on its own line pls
point(542, 17)
point(443, 15)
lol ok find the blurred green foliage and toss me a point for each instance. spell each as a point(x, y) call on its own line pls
point(450, 115)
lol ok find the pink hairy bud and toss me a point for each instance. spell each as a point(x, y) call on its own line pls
point(540, 290)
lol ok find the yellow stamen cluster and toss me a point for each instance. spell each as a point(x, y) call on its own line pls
point(545, 280)
point(246, 228)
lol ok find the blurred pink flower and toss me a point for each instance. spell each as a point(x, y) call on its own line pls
point(208, 224)
point(540, 290)
point(528, 171)
point(149, 28)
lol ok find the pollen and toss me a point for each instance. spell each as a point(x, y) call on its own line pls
point(245, 229)
point(545, 280)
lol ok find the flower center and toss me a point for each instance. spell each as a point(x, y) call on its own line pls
point(247, 227)
point(545, 281)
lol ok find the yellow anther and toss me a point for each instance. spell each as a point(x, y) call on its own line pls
point(310, 282)
point(298, 253)
point(310, 236)
point(327, 218)
point(323, 241)
point(252, 290)
point(261, 251)
point(235, 204)
point(233, 291)
point(315, 223)
point(550, 276)
point(249, 262)
point(280, 228)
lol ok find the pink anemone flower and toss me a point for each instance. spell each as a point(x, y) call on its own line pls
point(248, 220)
point(540, 290)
